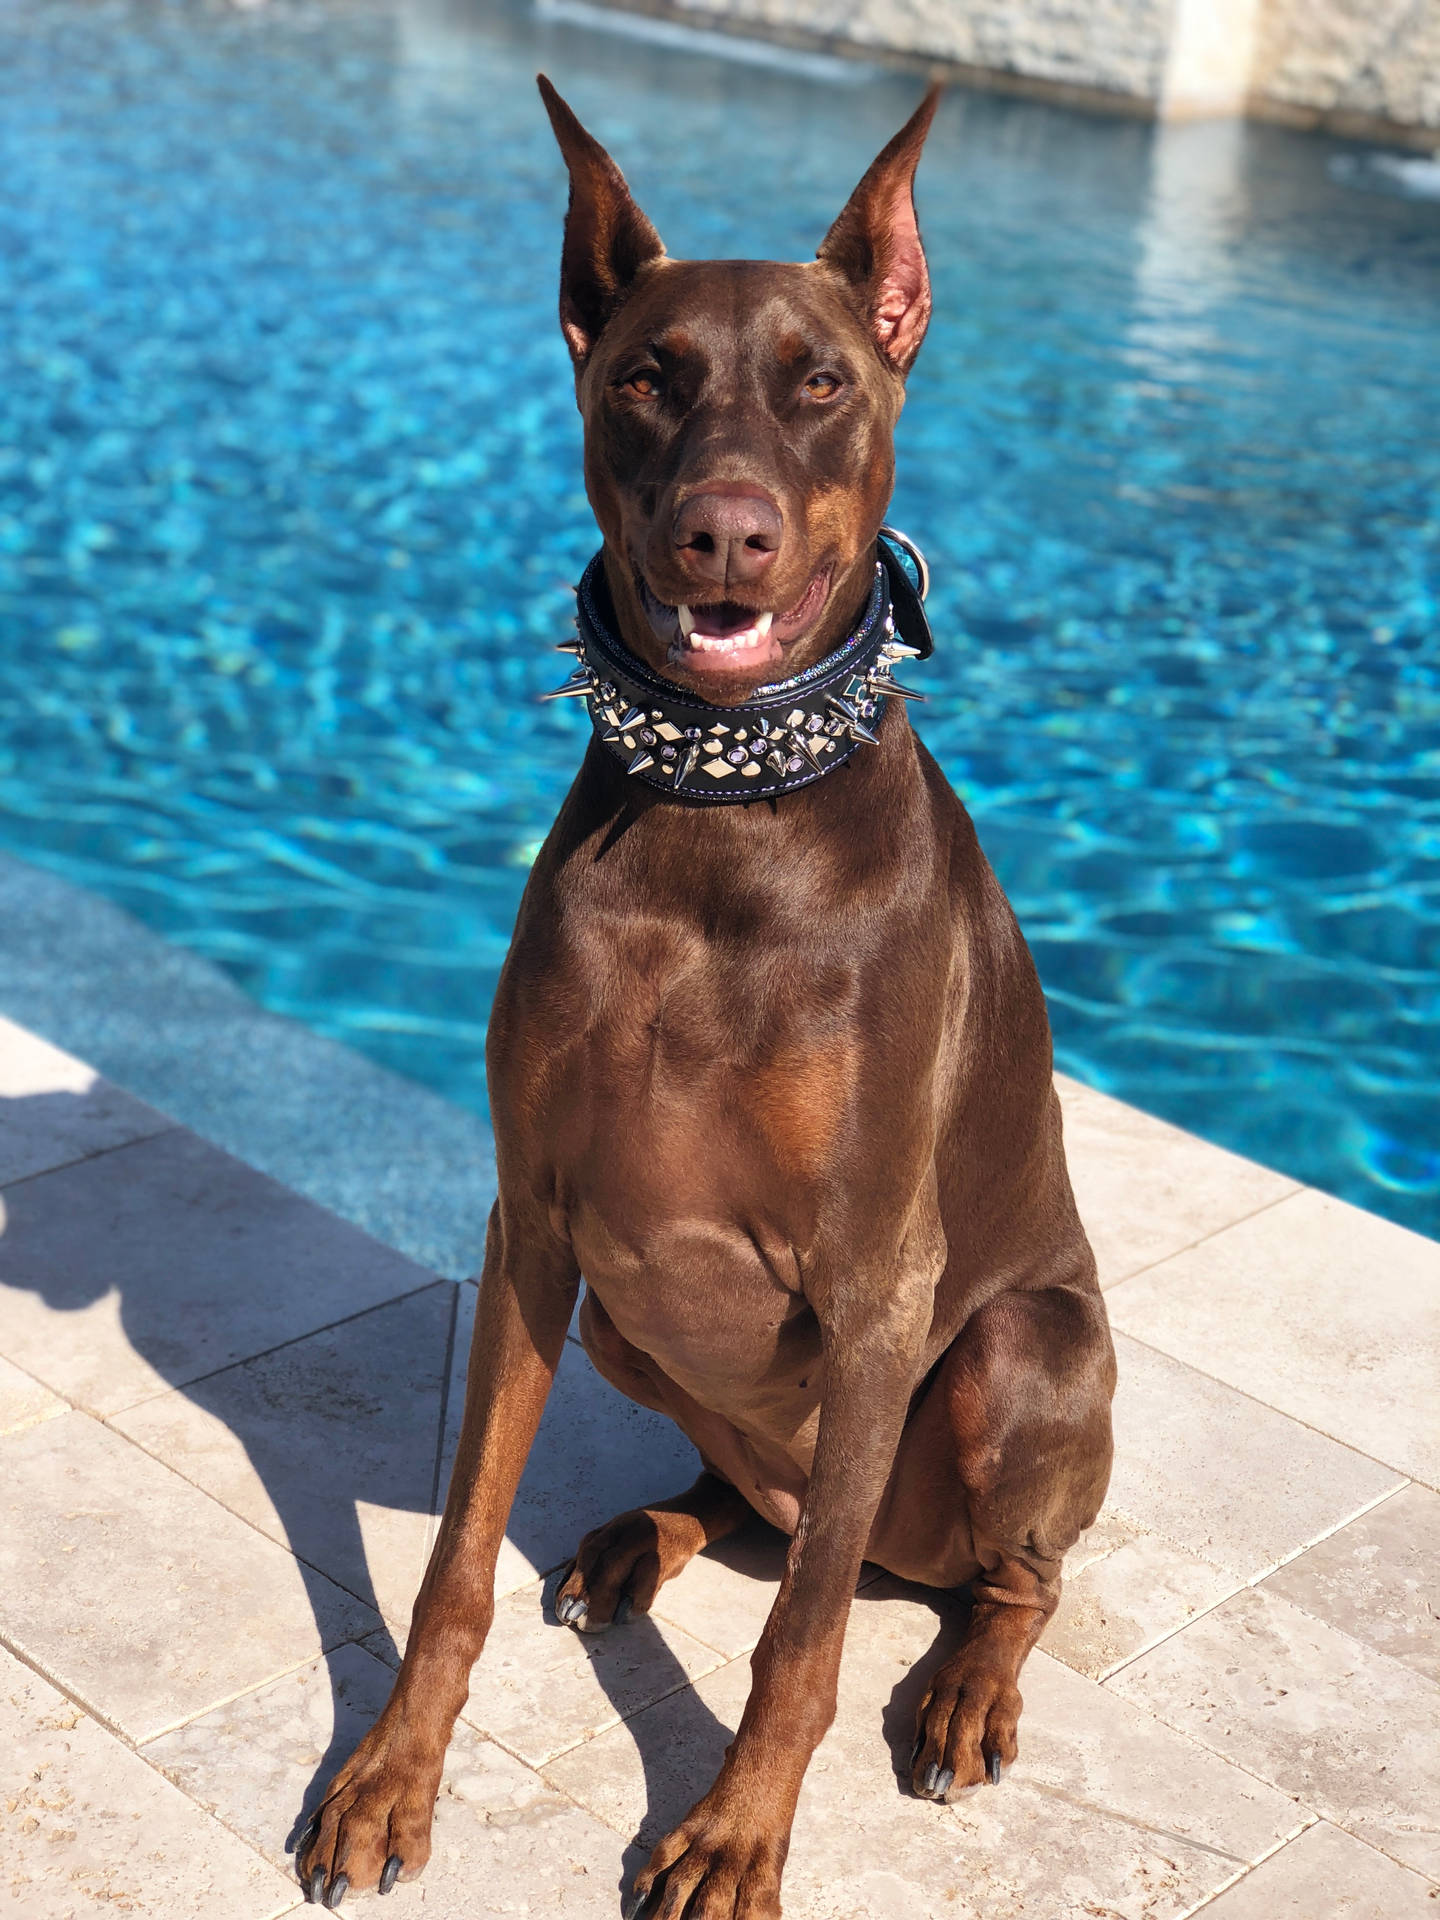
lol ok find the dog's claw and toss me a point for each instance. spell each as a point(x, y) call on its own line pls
point(390, 1872)
point(637, 1906)
point(932, 1774)
point(307, 1838)
point(944, 1780)
point(916, 1750)
point(622, 1610)
point(994, 1769)
point(337, 1890)
point(569, 1610)
point(315, 1890)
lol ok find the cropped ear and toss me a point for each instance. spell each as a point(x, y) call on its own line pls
point(607, 237)
point(875, 243)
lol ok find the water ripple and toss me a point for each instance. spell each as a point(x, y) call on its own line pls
point(290, 502)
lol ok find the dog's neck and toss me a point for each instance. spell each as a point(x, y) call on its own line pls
point(787, 735)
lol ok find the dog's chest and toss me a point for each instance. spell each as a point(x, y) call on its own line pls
point(689, 1223)
point(695, 1069)
point(679, 1154)
point(692, 1094)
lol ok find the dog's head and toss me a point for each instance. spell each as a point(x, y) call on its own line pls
point(739, 417)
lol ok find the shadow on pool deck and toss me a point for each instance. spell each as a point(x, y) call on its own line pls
point(292, 1405)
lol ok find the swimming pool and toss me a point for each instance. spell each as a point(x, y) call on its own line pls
point(289, 493)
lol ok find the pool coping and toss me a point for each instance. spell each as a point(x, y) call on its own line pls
point(412, 1169)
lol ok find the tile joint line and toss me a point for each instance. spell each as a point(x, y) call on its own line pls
point(1256, 1580)
point(1285, 1840)
point(245, 1359)
point(1266, 1206)
point(1255, 1400)
point(97, 1153)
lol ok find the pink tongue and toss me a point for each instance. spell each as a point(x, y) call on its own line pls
point(718, 623)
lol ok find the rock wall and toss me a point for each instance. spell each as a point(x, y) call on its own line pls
point(1116, 47)
point(1357, 66)
point(1353, 65)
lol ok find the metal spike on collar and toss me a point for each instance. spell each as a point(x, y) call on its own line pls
point(897, 650)
point(641, 761)
point(580, 682)
point(859, 731)
point(568, 646)
point(845, 708)
point(888, 685)
point(684, 768)
point(632, 717)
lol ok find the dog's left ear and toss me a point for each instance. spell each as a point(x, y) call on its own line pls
point(875, 243)
point(607, 237)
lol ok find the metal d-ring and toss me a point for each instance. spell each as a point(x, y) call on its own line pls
point(922, 565)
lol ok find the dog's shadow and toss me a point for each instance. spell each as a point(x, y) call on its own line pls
point(296, 1410)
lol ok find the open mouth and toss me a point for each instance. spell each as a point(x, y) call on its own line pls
point(726, 637)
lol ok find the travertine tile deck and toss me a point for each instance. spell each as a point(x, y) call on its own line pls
point(226, 1417)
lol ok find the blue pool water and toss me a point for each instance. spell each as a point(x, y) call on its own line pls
point(289, 498)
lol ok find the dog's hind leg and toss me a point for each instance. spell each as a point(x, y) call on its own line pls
point(374, 1823)
point(620, 1567)
point(1027, 1384)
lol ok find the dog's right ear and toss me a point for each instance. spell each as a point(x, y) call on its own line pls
point(875, 243)
point(607, 238)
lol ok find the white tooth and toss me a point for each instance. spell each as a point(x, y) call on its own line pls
point(686, 619)
point(762, 625)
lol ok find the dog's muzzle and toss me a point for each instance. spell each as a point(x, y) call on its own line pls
point(787, 735)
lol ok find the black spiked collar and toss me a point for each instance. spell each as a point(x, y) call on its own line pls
point(787, 735)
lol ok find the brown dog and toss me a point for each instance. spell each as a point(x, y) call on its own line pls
point(775, 1077)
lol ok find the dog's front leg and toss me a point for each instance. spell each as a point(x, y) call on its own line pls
point(724, 1860)
point(374, 1823)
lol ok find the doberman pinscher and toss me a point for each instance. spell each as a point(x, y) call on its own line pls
point(773, 1074)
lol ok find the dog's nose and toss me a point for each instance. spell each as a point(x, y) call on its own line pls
point(727, 539)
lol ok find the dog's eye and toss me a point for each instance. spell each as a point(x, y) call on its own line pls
point(823, 386)
point(645, 383)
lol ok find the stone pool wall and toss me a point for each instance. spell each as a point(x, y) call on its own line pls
point(1352, 65)
point(1364, 67)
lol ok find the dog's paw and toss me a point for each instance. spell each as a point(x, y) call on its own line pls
point(372, 1828)
point(714, 1866)
point(620, 1567)
point(966, 1729)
